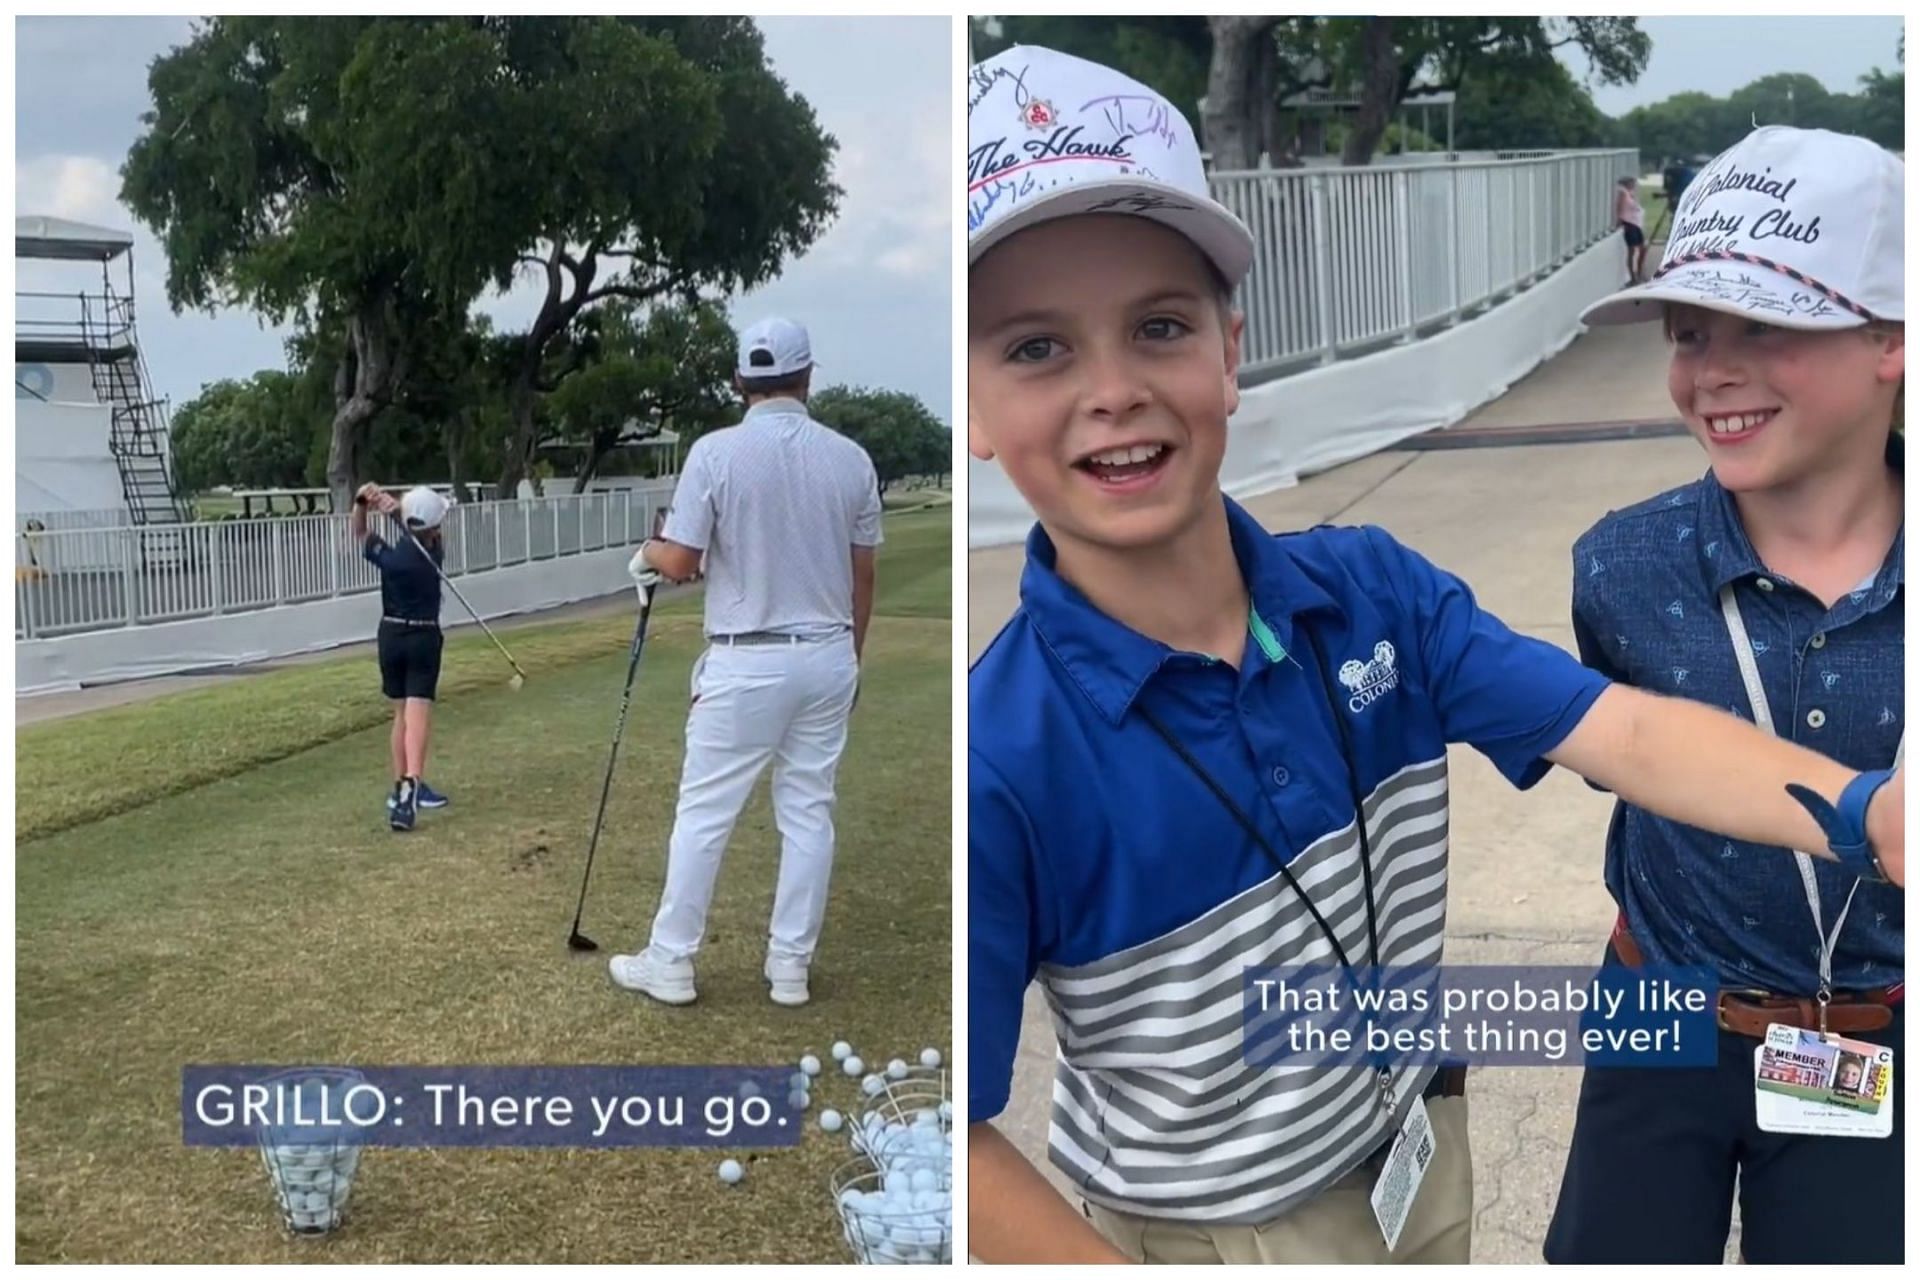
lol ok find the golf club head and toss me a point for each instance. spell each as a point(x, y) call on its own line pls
point(578, 941)
point(517, 683)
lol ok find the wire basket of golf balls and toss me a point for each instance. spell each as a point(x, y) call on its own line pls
point(891, 1218)
point(908, 1128)
point(311, 1165)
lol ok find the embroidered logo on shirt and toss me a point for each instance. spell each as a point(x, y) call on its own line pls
point(1369, 681)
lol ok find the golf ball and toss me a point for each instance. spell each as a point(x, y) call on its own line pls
point(873, 1086)
point(799, 1100)
point(929, 1057)
point(830, 1121)
point(810, 1065)
point(731, 1172)
point(897, 1069)
point(853, 1066)
point(924, 1180)
point(799, 1080)
point(841, 1050)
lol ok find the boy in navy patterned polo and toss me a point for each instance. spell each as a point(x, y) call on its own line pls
point(1772, 587)
point(1170, 742)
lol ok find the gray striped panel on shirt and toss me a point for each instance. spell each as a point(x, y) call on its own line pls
point(1156, 1109)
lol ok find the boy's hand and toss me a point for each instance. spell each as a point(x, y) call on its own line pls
point(1887, 827)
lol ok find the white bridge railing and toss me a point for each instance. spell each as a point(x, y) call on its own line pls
point(1348, 260)
point(91, 579)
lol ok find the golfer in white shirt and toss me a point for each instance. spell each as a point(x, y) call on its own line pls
point(786, 513)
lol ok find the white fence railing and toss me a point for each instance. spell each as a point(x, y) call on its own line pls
point(74, 580)
point(1347, 260)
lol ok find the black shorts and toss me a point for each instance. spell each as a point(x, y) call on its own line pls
point(1635, 236)
point(1651, 1172)
point(409, 660)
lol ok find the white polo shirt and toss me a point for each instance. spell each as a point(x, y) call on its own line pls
point(777, 504)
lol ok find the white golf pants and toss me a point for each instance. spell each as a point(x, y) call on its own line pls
point(781, 703)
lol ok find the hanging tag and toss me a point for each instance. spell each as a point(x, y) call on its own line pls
point(1406, 1166)
point(1805, 1082)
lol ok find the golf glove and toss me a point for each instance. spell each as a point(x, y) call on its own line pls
point(643, 574)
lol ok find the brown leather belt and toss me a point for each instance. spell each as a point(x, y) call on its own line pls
point(1747, 1012)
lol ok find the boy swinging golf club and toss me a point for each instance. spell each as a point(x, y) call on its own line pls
point(409, 639)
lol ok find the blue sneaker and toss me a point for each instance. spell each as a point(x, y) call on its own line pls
point(425, 797)
point(400, 813)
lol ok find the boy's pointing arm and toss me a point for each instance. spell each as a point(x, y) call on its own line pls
point(1695, 764)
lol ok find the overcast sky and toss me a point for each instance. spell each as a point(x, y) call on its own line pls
point(1718, 55)
point(875, 292)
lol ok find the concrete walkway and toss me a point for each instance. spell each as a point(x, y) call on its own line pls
point(1617, 373)
point(1526, 882)
point(57, 706)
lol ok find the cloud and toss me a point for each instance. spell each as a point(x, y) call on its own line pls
point(83, 188)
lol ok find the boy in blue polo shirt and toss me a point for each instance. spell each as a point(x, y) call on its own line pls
point(1773, 586)
point(1170, 741)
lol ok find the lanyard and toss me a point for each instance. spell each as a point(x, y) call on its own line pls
point(1359, 821)
point(1763, 716)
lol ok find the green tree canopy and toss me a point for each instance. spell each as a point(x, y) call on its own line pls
point(672, 370)
point(900, 434)
point(254, 433)
point(370, 178)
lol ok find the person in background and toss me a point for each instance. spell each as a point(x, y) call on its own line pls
point(1633, 225)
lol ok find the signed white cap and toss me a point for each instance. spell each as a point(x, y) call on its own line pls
point(1800, 228)
point(1050, 135)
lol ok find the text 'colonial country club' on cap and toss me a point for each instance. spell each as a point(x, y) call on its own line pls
point(1799, 228)
point(774, 348)
point(1050, 136)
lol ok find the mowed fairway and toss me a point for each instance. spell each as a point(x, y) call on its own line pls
point(208, 878)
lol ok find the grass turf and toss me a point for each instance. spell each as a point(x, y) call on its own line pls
point(230, 893)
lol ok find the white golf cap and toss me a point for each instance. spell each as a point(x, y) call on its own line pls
point(422, 508)
point(1050, 136)
point(1800, 228)
point(774, 348)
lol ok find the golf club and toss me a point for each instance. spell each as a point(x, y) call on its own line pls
point(578, 941)
point(519, 676)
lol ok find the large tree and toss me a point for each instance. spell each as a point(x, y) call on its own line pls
point(253, 433)
point(899, 433)
point(1382, 61)
point(670, 371)
point(1524, 103)
point(1252, 66)
point(657, 225)
point(371, 178)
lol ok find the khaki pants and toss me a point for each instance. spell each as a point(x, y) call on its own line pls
point(1335, 1226)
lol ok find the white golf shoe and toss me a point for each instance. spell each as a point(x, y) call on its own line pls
point(668, 981)
point(787, 981)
